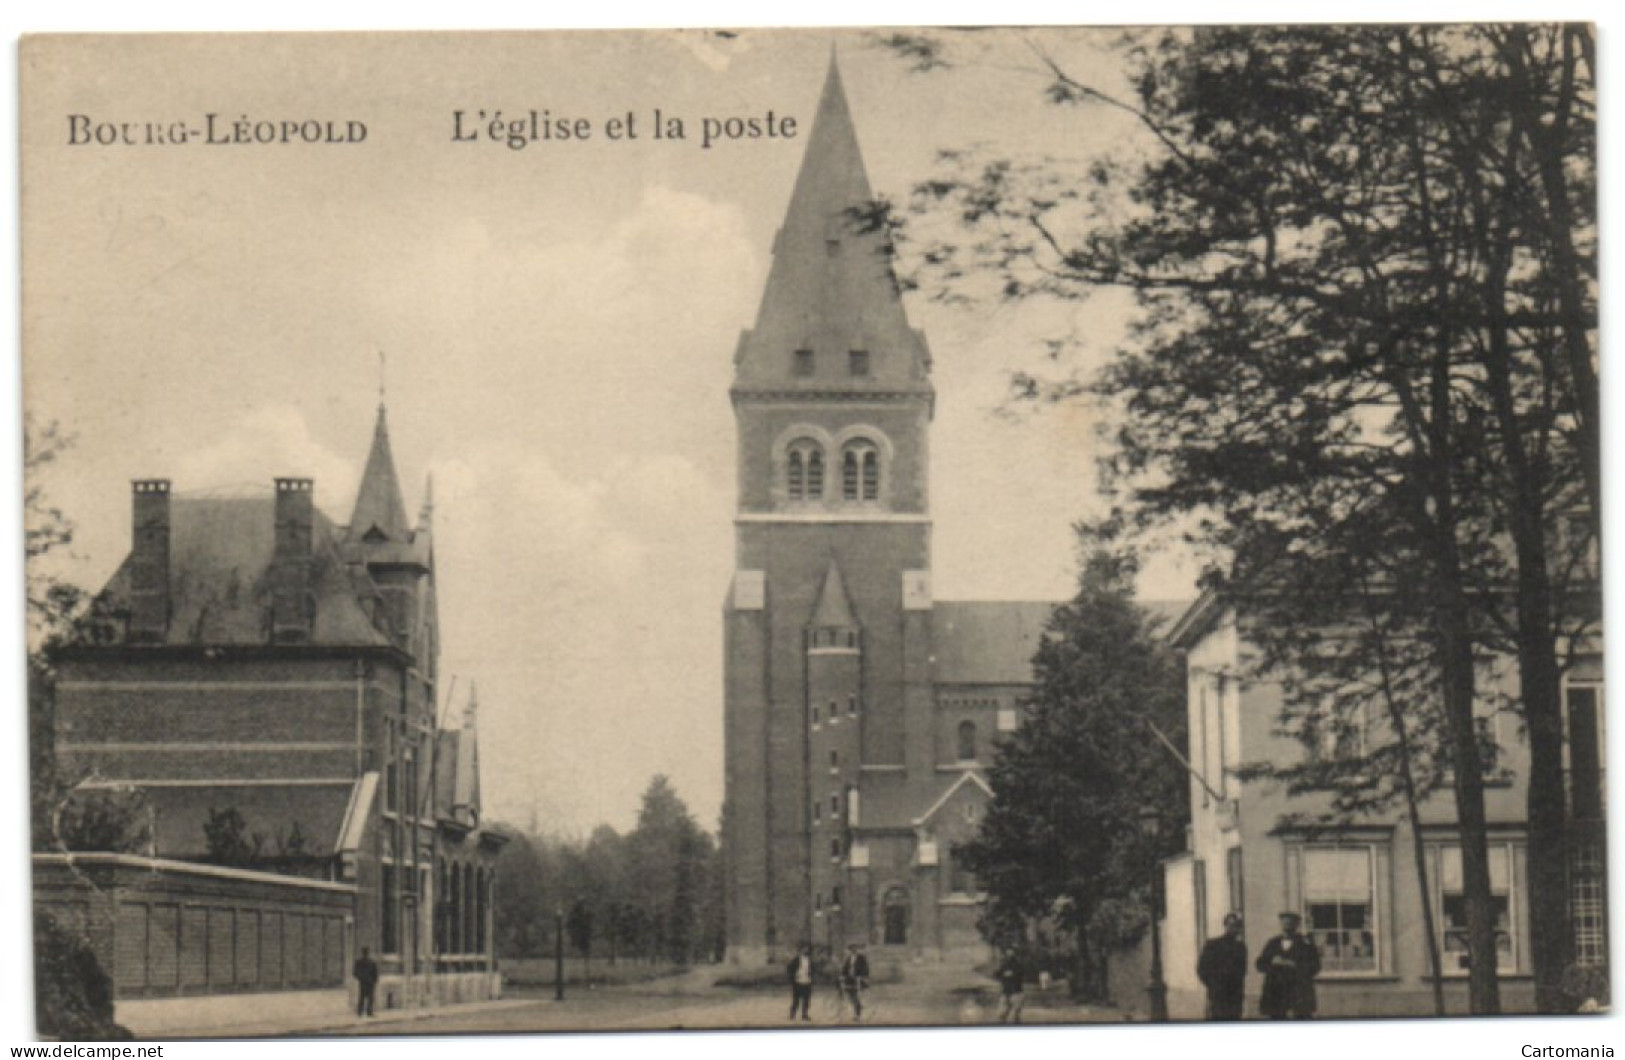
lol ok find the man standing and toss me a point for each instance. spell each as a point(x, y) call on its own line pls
point(800, 970)
point(366, 980)
point(1012, 982)
point(1223, 970)
point(1289, 963)
point(854, 978)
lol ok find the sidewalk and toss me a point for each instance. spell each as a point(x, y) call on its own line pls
point(324, 1022)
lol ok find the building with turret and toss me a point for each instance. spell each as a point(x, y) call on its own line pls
point(267, 679)
point(860, 712)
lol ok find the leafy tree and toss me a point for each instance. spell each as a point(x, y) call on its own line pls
point(1062, 837)
point(1364, 259)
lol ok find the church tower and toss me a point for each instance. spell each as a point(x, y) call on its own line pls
point(828, 623)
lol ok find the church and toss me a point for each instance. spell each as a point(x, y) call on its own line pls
point(268, 680)
point(860, 712)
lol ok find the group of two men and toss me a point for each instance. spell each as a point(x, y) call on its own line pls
point(851, 980)
point(1289, 962)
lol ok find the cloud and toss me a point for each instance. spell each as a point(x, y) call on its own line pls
point(270, 442)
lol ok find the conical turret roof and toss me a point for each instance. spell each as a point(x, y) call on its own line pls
point(378, 504)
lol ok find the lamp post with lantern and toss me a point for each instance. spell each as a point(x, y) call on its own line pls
point(1156, 990)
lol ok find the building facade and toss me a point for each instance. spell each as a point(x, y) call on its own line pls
point(1357, 889)
point(268, 680)
point(859, 711)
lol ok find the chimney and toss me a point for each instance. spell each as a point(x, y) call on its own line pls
point(293, 608)
point(149, 561)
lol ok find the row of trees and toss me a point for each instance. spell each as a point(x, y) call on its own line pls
point(652, 894)
point(1362, 375)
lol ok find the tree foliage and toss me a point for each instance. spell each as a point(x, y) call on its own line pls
point(1363, 363)
point(650, 894)
point(1063, 837)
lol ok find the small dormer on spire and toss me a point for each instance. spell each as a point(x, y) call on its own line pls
point(380, 513)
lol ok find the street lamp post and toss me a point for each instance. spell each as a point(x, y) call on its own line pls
point(558, 953)
point(1156, 990)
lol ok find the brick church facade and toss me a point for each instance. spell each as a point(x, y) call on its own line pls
point(860, 712)
point(269, 667)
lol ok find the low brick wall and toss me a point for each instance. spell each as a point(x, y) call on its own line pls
point(173, 929)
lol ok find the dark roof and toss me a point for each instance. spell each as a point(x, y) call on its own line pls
point(269, 811)
point(220, 550)
point(826, 304)
point(379, 509)
point(988, 642)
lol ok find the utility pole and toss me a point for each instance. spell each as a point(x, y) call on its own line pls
point(558, 952)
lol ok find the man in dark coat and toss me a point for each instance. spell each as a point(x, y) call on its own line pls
point(1290, 963)
point(366, 981)
point(800, 971)
point(1223, 970)
point(1012, 985)
point(854, 978)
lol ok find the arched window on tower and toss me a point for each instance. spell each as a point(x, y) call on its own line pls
point(804, 470)
point(860, 472)
point(966, 750)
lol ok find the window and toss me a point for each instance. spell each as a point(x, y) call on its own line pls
point(390, 910)
point(858, 362)
point(834, 762)
point(803, 362)
point(860, 472)
point(804, 470)
point(835, 898)
point(391, 776)
point(835, 850)
point(818, 903)
point(965, 749)
point(852, 702)
point(818, 811)
point(960, 879)
point(1587, 907)
point(1453, 908)
point(1232, 871)
point(815, 716)
point(1339, 897)
point(834, 805)
point(834, 710)
point(1339, 730)
point(1584, 750)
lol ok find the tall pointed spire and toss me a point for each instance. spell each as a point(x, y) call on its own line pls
point(831, 290)
point(834, 609)
point(378, 505)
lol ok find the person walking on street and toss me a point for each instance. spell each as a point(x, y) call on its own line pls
point(1012, 981)
point(1223, 971)
point(366, 980)
point(854, 978)
point(800, 970)
point(1290, 963)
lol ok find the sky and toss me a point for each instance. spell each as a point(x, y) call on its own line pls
point(556, 322)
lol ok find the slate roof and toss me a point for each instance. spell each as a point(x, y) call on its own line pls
point(220, 552)
point(831, 288)
point(988, 642)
